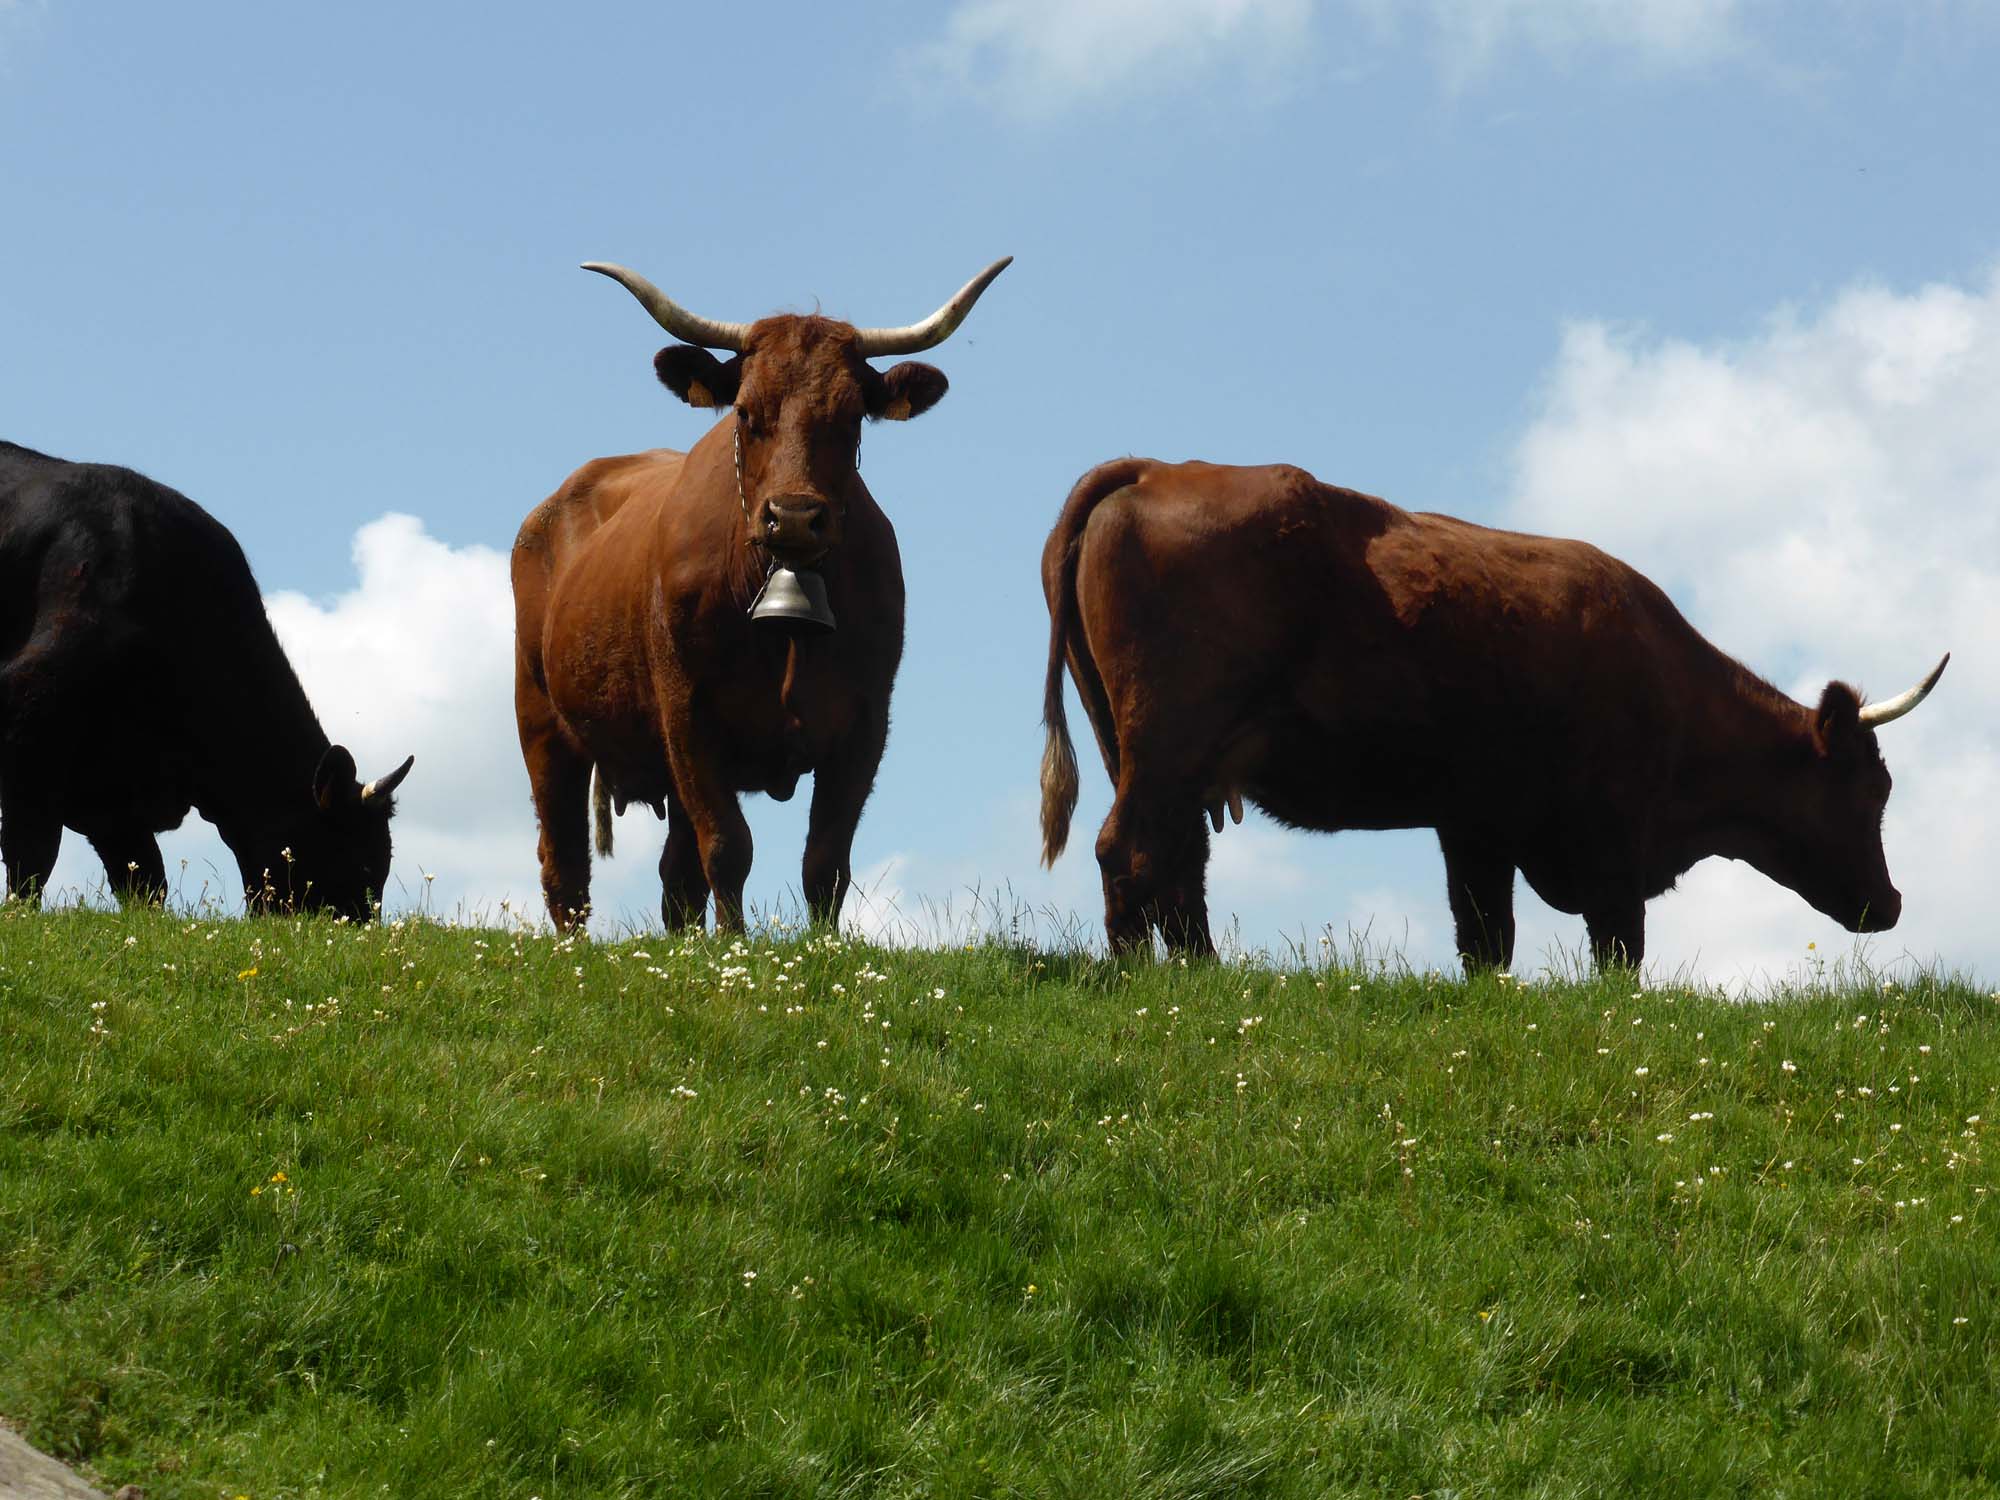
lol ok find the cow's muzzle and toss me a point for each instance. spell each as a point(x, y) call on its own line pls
point(1880, 914)
point(796, 529)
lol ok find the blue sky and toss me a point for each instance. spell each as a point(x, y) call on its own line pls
point(1709, 282)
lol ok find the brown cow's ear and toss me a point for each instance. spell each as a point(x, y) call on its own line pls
point(696, 376)
point(1838, 718)
point(907, 390)
point(334, 783)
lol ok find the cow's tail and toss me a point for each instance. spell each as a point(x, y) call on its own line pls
point(1058, 760)
point(1068, 646)
point(600, 810)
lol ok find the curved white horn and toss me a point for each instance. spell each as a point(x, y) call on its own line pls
point(387, 784)
point(688, 327)
point(935, 329)
point(1874, 715)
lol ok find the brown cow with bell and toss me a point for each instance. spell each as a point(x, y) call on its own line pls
point(1252, 633)
point(692, 626)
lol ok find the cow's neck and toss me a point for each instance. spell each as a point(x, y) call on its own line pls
point(1728, 790)
point(260, 781)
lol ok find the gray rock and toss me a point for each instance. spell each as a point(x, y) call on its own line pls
point(26, 1474)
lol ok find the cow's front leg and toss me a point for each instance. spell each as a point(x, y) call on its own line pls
point(132, 864)
point(1153, 855)
point(721, 832)
point(1479, 882)
point(1617, 934)
point(1183, 915)
point(840, 790)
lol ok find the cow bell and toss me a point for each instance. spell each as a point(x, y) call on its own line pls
point(796, 596)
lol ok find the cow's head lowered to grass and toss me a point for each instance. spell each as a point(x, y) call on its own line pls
point(799, 387)
point(1824, 833)
point(329, 852)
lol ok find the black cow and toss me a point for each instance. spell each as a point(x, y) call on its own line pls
point(139, 677)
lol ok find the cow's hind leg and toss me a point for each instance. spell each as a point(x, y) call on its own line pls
point(559, 777)
point(683, 886)
point(30, 817)
point(30, 835)
point(1126, 925)
point(1479, 881)
point(132, 864)
point(1153, 855)
point(1617, 934)
point(562, 809)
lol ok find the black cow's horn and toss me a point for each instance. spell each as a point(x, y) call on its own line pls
point(935, 329)
point(670, 315)
point(387, 784)
point(1874, 715)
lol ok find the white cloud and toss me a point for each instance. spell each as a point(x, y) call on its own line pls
point(1256, 861)
point(1254, 871)
point(1039, 55)
point(1042, 56)
point(1471, 36)
point(1823, 500)
point(1387, 923)
point(911, 898)
point(997, 886)
point(418, 658)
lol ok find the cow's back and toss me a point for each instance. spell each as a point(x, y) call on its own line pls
point(1211, 584)
point(138, 543)
point(116, 551)
point(132, 632)
point(556, 531)
point(1345, 653)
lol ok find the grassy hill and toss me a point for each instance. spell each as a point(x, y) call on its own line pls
point(289, 1208)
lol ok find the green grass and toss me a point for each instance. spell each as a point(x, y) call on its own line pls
point(289, 1208)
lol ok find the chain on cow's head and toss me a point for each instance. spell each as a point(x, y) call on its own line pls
point(749, 534)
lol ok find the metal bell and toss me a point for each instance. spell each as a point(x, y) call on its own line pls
point(789, 595)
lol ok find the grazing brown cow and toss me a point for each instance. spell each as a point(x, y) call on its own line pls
point(635, 652)
point(1252, 633)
